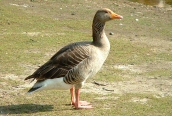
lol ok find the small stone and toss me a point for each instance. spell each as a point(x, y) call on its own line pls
point(111, 33)
point(72, 13)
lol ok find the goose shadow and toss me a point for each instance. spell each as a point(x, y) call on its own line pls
point(24, 108)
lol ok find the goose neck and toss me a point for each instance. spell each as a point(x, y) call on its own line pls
point(98, 31)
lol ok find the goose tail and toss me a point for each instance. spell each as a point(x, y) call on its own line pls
point(36, 87)
point(47, 84)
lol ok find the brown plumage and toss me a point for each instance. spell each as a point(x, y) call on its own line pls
point(63, 61)
point(70, 67)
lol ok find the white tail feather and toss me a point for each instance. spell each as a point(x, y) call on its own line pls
point(56, 83)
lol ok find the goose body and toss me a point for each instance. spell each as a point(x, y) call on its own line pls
point(70, 67)
point(51, 78)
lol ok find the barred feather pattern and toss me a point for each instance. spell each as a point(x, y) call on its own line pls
point(76, 74)
point(64, 64)
point(98, 29)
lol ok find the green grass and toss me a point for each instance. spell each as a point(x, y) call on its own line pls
point(41, 105)
point(129, 53)
point(160, 73)
point(30, 36)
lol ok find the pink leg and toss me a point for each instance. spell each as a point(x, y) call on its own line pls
point(72, 91)
point(81, 104)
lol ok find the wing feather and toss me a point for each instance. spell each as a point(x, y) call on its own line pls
point(64, 60)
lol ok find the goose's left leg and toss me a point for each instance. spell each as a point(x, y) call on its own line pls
point(72, 92)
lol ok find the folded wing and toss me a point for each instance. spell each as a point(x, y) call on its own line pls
point(64, 60)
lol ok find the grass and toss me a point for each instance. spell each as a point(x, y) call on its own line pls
point(30, 36)
point(130, 53)
point(121, 106)
point(160, 73)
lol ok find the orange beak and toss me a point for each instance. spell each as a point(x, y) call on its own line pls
point(116, 16)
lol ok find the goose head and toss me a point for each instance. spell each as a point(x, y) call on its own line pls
point(106, 14)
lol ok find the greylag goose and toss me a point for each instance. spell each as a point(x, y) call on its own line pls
point(70, 67)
